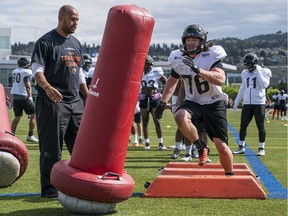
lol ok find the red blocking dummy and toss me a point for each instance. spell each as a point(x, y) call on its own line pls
point(102, 140)
point(8, 142)
point(101, 143)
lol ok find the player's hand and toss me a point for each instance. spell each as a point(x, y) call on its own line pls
point(190, 62)
point(160, 109)
point(30, 98)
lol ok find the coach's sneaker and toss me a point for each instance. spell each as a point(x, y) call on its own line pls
point(147, 146)
point(203, 156)
point(32, 139)
point(187, 158)
point(240, 150)
point(176, 154)
point(261, 152)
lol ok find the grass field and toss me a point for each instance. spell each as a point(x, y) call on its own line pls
point(22, 198)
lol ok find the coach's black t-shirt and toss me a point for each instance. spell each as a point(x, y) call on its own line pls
point(62, 58)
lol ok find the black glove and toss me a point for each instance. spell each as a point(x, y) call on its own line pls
point(189, 62)
point(160, 109)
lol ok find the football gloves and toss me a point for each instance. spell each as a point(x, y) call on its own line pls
point(160, 109)
point(189, 62)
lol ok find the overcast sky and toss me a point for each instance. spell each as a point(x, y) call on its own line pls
point(221, 18)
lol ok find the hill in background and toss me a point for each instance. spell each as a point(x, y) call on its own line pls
point(270, 48)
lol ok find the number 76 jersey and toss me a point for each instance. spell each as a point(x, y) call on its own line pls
point(196, 88)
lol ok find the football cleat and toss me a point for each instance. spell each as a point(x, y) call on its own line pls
point(195, 153)
point(147, 146)
point(209, 160)
point(162, 147)
point(240, 150)
point(175, 154)
point(203, 156)
point(261, 152)
point(187, 158)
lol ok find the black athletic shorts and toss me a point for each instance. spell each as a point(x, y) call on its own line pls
point(148, 103)
point(23, 104)
point(211, 117)
point(137, 117)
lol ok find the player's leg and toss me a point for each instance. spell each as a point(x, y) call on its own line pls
point(259, 115)
point(29, 108)
point(183, 120)
point(246, 117)
point(143, 104)
point(158, 128)
point(134, 134)
point(18, 112)
point(225, 154)
point(145, 125)
point(178, 144)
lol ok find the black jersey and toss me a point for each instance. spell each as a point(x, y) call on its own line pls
point(62, 59)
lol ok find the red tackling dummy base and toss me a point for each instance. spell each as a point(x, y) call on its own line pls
point(188, 180)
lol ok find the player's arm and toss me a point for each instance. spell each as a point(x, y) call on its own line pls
point(264, 78)
point(181, 92)
point(215, 75)
point(84, 89)
point(167, 93)
point(28, 87)
point(82, 82)
point(170, 86)
point(240, 95)
point(163, 79)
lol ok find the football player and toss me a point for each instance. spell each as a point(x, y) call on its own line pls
point(283, 99)
point(199, 65)
point(84, 74)
point(275, 104)
point(149, 98)
point(22, 97)
point(255, 80)
point(136, 129)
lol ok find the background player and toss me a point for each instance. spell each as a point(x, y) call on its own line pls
point(22, 97)
point(282, 98)
point(149, 98)
point(136, 129)
point(255, 80)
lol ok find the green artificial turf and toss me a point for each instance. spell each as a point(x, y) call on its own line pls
point(22, 197)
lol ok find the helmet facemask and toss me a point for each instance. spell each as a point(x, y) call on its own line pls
point(148, 64)
point(195, 31)
point(250, 61)
point(87, 62)
point(24, 62)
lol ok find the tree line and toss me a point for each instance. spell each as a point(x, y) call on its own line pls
point(271, 48)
